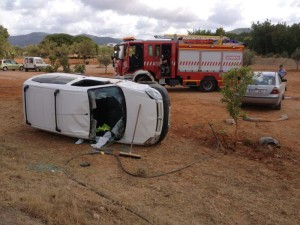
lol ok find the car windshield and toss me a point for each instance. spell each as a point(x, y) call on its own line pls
point(108, 111)
point(263, 79)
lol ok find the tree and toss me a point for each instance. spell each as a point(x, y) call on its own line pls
point(248, 57)
point(85, 48)
point(59, 39)
point(4, 44)
point(200, 32)
point(105, 60)
point(3, 32)
point(296, 57)
point(220, 32)
point(235, 83)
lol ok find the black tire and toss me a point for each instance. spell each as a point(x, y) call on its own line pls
point(37, 69)
point(26, 70)
point(208, 85)
point(4, 68)
point(21, 68)
point(278, 107)
point(166, 100)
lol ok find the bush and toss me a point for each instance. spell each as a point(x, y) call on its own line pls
point(248, 57)
point(51, 69)
point(79, 68)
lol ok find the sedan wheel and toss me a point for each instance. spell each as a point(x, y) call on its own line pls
point(5, 68)
point(278, 107)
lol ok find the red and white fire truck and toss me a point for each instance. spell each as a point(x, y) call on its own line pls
point(193, 61)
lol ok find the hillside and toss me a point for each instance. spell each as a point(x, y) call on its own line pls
point(37, 37)
point(240, 30)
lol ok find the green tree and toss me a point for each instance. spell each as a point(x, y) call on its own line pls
point(104, 60)
point(59, 39)
point(200, 32)
point(220, 32)
point(235, 83)
point(85, 49)
point(4, 44)
point(296, 57)
point(3, 32)
point(248, 57)
point(32, 50)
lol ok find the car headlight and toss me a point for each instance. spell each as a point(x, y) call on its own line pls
point(153, 93)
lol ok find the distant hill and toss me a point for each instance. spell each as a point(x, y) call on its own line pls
point(240, 30)
point(37, 37)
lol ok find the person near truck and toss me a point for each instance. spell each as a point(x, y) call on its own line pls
point(281, 71)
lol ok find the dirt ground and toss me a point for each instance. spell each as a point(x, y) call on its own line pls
point(187, 179)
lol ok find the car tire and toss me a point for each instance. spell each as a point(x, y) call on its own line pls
point(278, 107)
point(21, 68)
point(166, 100)
point(208, 85)
point(4, 68)
point(37, 69)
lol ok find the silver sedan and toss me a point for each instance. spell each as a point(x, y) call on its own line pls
point(267, 89)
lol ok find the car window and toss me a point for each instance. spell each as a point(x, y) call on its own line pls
point(53, 80)
point(262, 79)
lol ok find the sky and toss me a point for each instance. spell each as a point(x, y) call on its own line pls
point(140, 18)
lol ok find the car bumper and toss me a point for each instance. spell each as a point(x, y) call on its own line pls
point(262, 100)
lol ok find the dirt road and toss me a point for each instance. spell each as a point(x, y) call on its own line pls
point(191, 180)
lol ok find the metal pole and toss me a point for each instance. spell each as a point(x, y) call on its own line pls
point(137, 119)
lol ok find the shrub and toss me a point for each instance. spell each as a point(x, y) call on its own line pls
point(235, 83)
point(79, 68)
point(248, 57)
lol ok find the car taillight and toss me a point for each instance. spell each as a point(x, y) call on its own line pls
point(275, 91)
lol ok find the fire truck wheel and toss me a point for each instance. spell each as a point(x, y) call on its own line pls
point(166, 99)
point(207, 85)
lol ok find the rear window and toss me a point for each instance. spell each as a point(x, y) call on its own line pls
point(53, 80)
point(262, 79)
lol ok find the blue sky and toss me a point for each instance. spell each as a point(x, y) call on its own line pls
point(142, 19)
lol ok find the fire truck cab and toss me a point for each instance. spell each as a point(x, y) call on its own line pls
point(196, 63)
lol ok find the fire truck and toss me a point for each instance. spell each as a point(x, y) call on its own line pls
point(193, 61)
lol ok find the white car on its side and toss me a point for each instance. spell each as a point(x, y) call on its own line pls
point(86, 107)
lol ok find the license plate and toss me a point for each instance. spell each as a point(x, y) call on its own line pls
point(257, 91)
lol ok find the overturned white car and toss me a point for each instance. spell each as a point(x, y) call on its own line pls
point(87, 107)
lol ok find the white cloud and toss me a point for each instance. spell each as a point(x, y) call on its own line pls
point(143, 19)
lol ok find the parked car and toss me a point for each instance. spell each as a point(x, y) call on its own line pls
point(86, 107)
point(267, 89)
point(34, 63)
point(9, 64)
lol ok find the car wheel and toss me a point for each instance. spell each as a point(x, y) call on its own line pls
point(166, 99)
point(207, 85)
point(5, 68)
point(278, 107)
point(26, 70)
point(21, 68)
point(37, 69)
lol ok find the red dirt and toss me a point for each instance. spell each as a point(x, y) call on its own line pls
point(42, 181)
